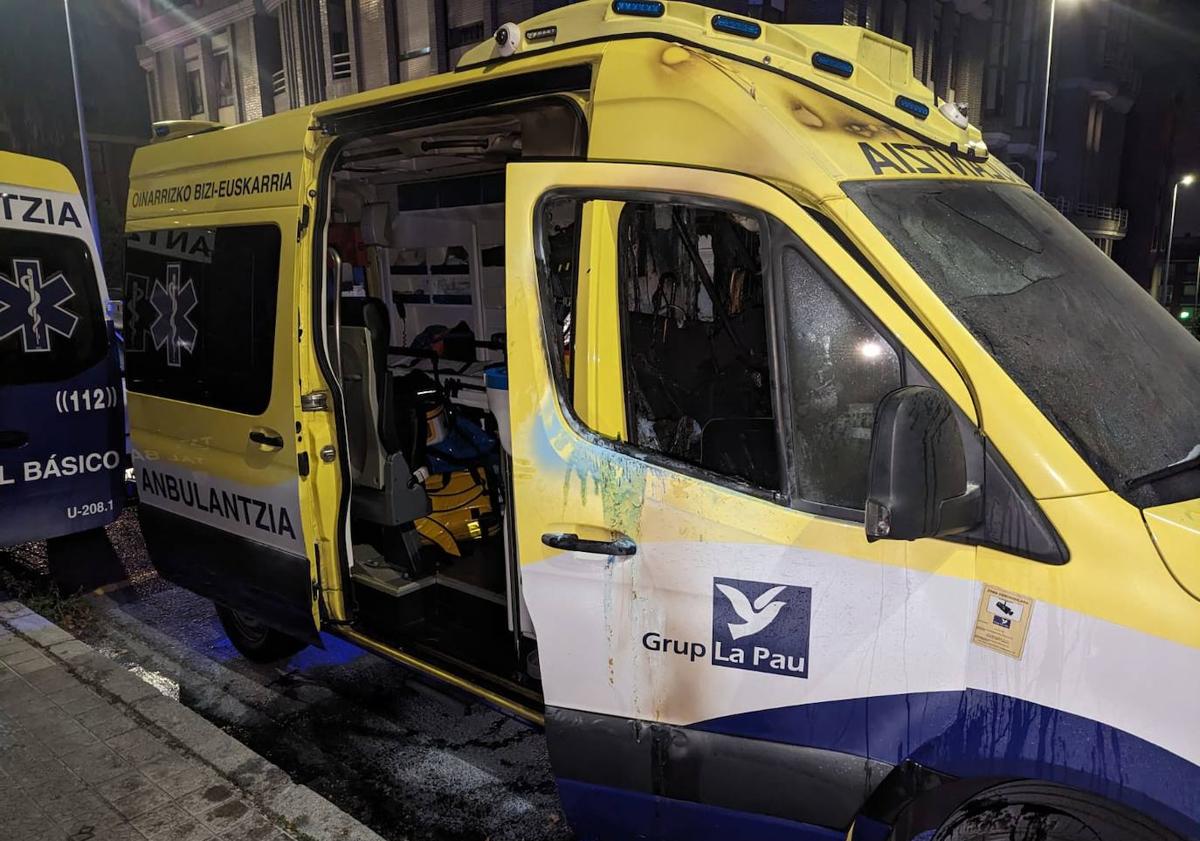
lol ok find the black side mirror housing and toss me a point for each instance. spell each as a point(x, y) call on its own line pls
point(917, 485)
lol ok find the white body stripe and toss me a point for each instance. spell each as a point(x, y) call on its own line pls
point(267, 514)
point(875, 630)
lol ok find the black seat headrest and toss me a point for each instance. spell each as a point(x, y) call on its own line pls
point(371, 313)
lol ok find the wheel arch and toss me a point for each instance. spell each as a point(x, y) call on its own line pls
point(914, 799)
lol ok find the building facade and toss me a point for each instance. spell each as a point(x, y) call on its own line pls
point(1094, 85)
point(238, 60)
point(37, 100)
point(1181, 293)
point(1162, 145)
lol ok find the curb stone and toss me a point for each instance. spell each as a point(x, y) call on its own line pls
point(120, 735)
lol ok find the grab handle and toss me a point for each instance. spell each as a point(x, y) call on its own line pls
point(270, 440)
point(622, 546)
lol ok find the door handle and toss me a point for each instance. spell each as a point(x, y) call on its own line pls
point(11, 439)
point(267, 438)
point(622, 546)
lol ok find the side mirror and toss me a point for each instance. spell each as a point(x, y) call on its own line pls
point(917, 485)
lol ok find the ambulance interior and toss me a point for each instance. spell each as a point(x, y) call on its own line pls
point(416, 241)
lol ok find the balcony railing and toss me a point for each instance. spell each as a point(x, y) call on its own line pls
point(1119, 216)
point(342, 67)
point(279, 83)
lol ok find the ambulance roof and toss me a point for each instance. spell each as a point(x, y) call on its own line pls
point(39, 173)
point(857, 70)
point(848, 62)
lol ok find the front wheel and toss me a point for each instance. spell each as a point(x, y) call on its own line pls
point(1027, 811)
point(255, 640)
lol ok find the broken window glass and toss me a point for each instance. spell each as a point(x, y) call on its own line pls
point(1105, 363)
point(839, 368)
point(559, 256)
point(697, 368)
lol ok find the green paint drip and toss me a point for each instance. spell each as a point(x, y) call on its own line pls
point(619, 481)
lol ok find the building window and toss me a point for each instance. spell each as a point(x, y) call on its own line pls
point(226, 94)
point(895, 20)
point(413, 53)
point(995, 72)
point(271, 74)
point(339, 39)
point(200, 314)
point(465, 36)
point(339, 30)
point(933, 73)
point(195, 90)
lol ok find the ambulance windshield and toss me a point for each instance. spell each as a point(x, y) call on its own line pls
point(1109, 367)
point(51, 322)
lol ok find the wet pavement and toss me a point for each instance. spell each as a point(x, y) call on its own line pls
point(409, 759)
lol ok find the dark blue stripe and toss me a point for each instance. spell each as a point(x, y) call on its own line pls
point(976, 733)
point(39, 509)
point(600, 813)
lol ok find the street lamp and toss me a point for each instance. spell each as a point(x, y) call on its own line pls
point(89, 184)
point(1185, 181)
point(1041, 153)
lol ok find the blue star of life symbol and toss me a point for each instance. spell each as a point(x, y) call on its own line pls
point(173, 303)
point(32, 305)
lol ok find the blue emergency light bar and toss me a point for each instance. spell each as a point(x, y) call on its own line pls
point(831, 64)
point(641, 8)
point(736, 26)
point(918, 109)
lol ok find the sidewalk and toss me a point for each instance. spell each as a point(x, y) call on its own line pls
point(90, 752)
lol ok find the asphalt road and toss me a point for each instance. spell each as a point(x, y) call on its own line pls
point(407, 758)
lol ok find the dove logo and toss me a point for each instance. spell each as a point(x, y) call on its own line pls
point(761, 627)
point(755, 616)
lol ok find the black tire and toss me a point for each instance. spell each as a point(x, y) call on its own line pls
point(254, 640)
point(83, 561)
point(1039, 812)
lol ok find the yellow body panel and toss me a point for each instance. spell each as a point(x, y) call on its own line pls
point(1113, 573)
point(598, 376)
point(213, 442)
point(1175, 529)
point(656, 101)
point(27, 171)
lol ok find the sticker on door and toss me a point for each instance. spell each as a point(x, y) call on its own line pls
point(1002, 623)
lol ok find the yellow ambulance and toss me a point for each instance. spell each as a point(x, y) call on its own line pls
point(701, 389)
